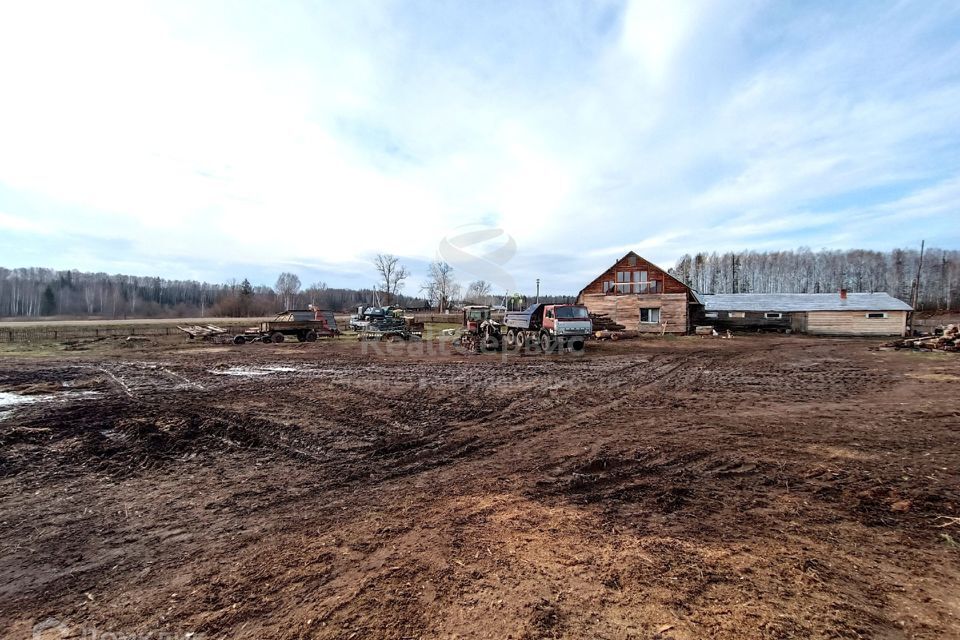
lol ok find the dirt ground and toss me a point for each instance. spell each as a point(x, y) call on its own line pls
point(759, 487)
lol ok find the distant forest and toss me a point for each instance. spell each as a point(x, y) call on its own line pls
point(825, 271)
point(37, 292)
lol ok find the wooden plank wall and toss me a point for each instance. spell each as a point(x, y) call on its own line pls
point(855, 323)
point(625, 309)
point(751, 321)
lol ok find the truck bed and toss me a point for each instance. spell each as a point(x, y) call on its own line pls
point(284, 326)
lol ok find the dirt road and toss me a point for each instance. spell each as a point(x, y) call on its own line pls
point(762, 487)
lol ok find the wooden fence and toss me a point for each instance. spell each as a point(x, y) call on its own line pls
point(54, 333)
point(51, 334)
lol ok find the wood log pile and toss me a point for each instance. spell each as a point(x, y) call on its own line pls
point(943, 339)
point(615, 335)
point(603, 322)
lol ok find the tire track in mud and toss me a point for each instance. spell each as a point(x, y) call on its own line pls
point(525, 415)
point(347, 424)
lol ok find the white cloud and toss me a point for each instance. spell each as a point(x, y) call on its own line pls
point(655, 31)
point(18, 223)
point(328, 132)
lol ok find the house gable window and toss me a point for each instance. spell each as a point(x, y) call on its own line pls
point(633, 281)
point(650, 315)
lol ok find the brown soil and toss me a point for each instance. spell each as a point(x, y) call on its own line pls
point(760, 487)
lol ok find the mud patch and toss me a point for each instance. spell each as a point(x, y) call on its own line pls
point(252, 372)
point(10, 402)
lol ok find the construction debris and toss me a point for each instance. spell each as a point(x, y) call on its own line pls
point(202, 331)
point(943, 339)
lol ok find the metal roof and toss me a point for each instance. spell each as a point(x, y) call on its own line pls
point(786, 302)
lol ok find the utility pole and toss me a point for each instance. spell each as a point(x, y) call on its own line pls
point(915, 298)
point(538, 290)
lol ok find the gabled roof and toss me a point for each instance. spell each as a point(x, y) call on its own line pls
point(636, 255)
point(786, 302)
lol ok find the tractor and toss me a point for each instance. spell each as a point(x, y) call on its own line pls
point(479, 332)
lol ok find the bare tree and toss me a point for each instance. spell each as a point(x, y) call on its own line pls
point(826, 271)
point(440, 286)
point(288, 285)
point(392, 275)
point(315, 293)
point(478, 291)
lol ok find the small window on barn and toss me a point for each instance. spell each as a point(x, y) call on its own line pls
point(632, 261)
point(650, 316)
point(736, 314)
point(711, 314)
point(773, 315)
point(877, 315)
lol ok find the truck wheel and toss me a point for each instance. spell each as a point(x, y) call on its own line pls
point(511, 339)
point(301, 336)
point(521, 340)
point(576, 346)
point(265, 339)
point(239, 339)
point(546, 343)
point(311, 336)
point(491, 343)
point(276, 337)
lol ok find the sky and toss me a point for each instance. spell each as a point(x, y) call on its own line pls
point(226, 139)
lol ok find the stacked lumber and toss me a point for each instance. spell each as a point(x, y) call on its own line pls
point(603, 322)
point(943, 339)
point(202, 331)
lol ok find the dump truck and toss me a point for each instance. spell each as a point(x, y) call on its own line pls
point(306, 325)
point(549, 326)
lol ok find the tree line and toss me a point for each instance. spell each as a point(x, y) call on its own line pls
point(39, 292)
point(827, 271)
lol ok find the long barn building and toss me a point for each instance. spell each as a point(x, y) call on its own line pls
point(859, 314)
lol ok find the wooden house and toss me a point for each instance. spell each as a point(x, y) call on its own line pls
point(641, 296)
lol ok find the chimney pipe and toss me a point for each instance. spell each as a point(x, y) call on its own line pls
point(843, 294)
